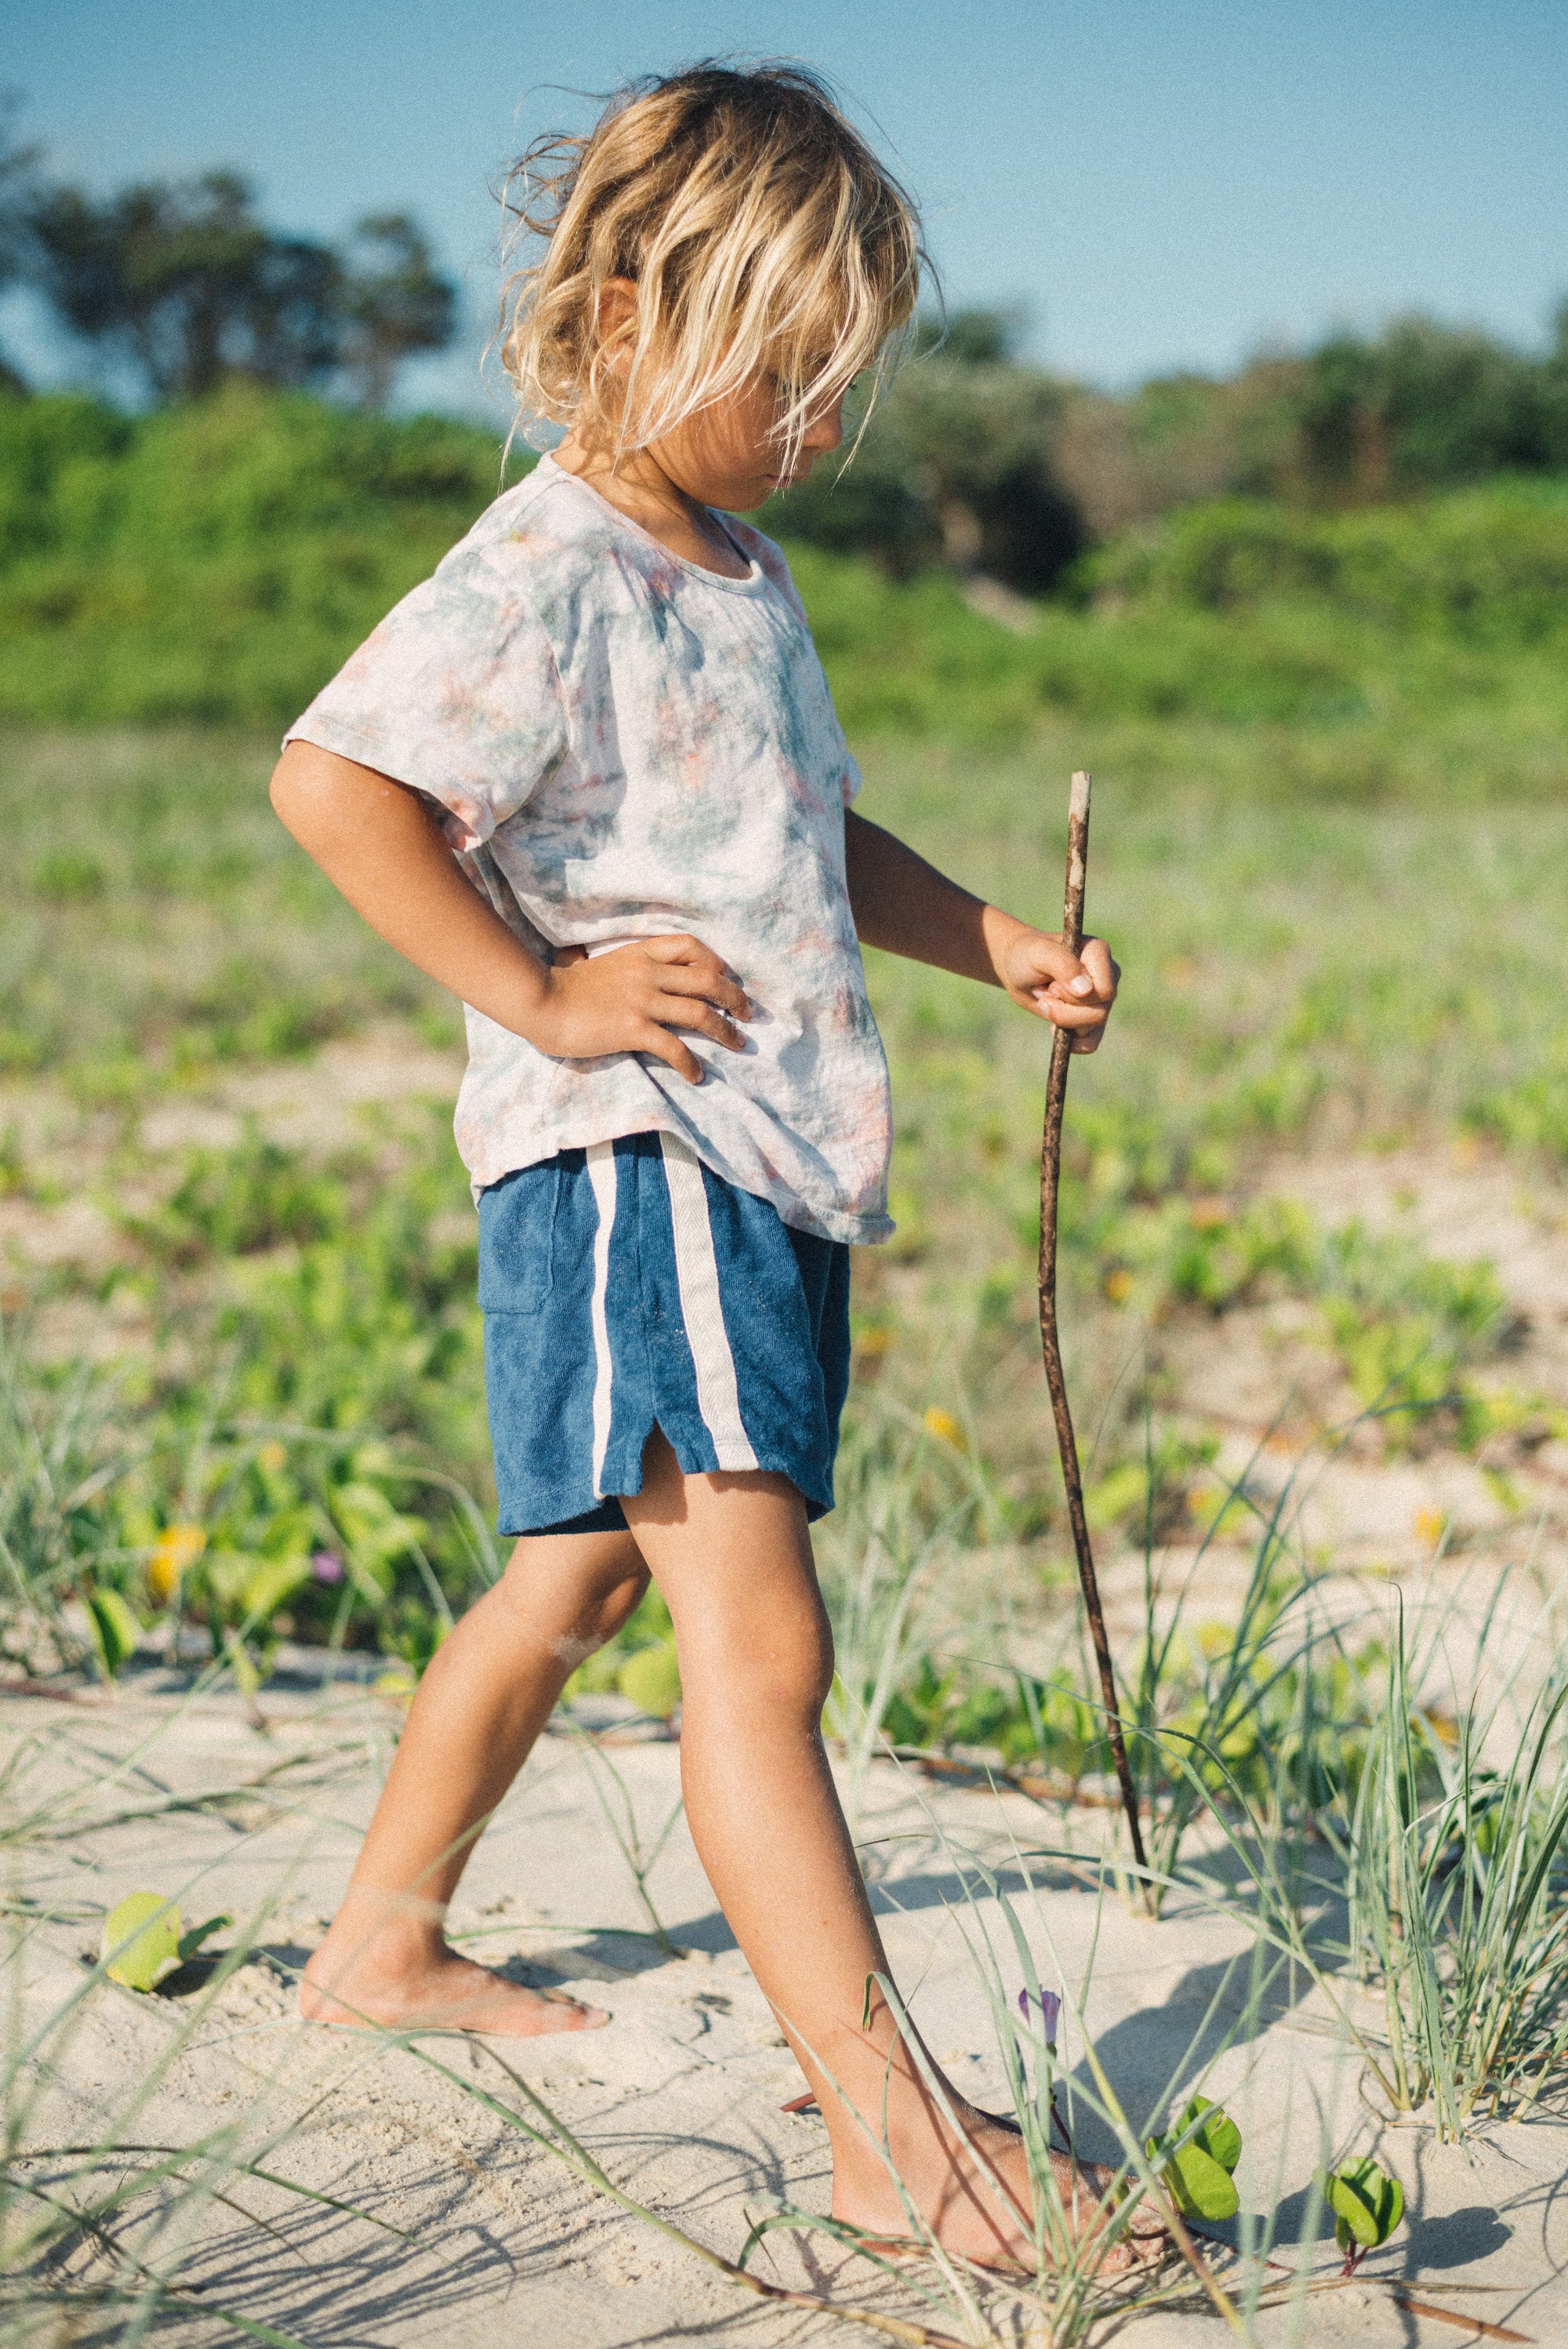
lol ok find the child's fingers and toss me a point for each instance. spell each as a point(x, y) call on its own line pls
point(704, 1018)
point(1084, 1022)
point(710, 982)
point(687, 954)
point(1101, 966)
point(660, 1044)
point(1064, 1012)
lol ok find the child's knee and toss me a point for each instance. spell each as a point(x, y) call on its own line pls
point(781, 1664)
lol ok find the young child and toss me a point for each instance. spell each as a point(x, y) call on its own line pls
point(590, 778)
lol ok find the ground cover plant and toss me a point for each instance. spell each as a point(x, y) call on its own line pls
point(1286, 986)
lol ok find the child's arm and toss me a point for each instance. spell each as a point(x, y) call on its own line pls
point(379, 844)
point(903, 903)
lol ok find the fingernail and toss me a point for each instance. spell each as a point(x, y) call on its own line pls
point(1082, 984)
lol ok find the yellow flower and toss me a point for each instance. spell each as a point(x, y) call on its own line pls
point(940, 1423)
point(177, 1547)
point(1119, 1285)
point(272, 1458)
point(1431, 1524)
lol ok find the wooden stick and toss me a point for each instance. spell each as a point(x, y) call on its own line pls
point(1050, 1342)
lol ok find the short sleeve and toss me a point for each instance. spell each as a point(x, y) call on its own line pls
point(456, 693)
point(851, 780)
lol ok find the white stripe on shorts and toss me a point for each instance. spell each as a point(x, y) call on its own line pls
point(600, 1158)
point(696, 1270)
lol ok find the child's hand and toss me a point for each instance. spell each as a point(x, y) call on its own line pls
point(1072, 991)
point(630, 1000)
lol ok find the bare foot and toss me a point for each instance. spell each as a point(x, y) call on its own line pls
point(441, 1993)
point(956, 2196)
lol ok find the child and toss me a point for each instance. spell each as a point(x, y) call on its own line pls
point(589, 777)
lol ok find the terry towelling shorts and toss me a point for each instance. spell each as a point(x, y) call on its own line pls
point(627, 1285)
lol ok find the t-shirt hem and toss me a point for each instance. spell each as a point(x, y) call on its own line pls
point(864, 1230)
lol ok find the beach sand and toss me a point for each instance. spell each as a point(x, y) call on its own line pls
point(679, 2098)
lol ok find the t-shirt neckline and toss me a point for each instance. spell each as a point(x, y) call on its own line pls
point(755, 579)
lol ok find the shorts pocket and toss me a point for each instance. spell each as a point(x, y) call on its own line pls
point(517, 1240)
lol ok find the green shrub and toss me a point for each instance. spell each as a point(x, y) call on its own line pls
point(1490, 566)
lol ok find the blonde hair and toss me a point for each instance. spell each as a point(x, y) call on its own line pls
point(760, 229)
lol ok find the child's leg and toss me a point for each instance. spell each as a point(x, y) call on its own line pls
point(732, 1555)
point(486, 1694)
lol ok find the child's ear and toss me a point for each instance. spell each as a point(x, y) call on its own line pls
point(617, 318)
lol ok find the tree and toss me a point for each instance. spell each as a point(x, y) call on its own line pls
point(956, 465)
point(394, 302)
point(18, 186)
point(1422, 406)
point(185, 283)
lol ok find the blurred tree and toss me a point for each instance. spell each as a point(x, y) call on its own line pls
point(187, 286)
point(1422, 406)
point(18, 186)
point(956, 465)
point(395, 303)
point(185, 283)
point(971, 338)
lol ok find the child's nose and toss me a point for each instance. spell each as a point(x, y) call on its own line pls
point(828, 431)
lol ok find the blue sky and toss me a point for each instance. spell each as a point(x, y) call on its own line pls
point(1164, 183)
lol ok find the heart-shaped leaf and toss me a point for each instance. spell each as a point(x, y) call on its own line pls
point(142, 1941)
point(1367, 2203)
point(1218, 2137)
point(1198, 2186)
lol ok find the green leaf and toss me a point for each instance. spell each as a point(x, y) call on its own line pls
point(191, 1942)
point(1218, 2137)
point(652, 1679)
point(1198, 2186)
point(148, 1926)
point(270, 1581)
point(116, 1628)
point(1367, 2203)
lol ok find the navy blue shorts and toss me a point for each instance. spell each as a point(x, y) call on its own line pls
point(627, 1287)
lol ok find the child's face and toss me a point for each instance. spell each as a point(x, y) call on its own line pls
point(730, 455)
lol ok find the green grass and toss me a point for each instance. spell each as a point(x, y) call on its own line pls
point(1297, 971)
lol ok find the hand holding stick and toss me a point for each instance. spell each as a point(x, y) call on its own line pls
point(1050, 1342)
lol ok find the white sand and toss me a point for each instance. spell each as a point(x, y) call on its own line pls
point(679, 2097)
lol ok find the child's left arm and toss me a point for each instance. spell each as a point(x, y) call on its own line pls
point(905, 904)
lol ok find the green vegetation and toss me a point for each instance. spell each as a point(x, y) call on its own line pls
point(312, 1336)
point(215, 562)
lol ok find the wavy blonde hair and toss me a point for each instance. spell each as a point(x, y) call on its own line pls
point(761, 233)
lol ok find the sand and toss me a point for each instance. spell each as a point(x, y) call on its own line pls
point(679, 2097)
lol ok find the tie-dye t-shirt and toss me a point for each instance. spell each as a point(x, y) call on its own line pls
point(623, 745)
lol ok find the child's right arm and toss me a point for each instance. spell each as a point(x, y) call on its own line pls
point(377, 842)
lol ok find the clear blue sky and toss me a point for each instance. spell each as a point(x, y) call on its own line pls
point(1165, 183)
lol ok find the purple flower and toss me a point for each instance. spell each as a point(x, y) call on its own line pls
point(1050, 2008)
point(326, 1565)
